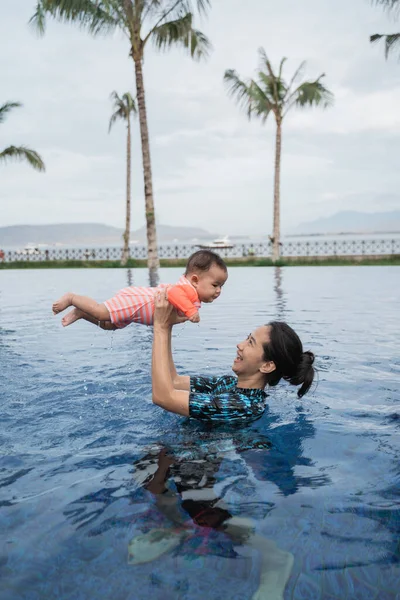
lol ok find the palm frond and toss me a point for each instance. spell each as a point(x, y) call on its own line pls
point(97, 16)
point(124, 107)
point(116, 116)
point(203, 5)
point(297, 74)
point(262, 104)
point(180, 32)
point(239, 90)
point(144, 8)
point(275, 88)
point(392, 41)
point(23, 153)
point(129, 102)
point(265, 62)
point(187, 6)
point(284, 59)
point(115, 98)
point(388, 4)
point(249, 95)
point(311, 93)
point(38, 20)
point(162, 11)
point(274, 82)
point(199, 44)
point(6, 108)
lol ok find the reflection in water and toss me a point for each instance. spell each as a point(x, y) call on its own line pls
point(210, 525)
point(270, 459)
point(387, 551)
point(129, 276)
point(279, 465)
point(381, 514)
point(280, 294)
point(154, 278)
point(175, 505)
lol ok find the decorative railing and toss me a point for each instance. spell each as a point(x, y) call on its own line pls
point(298, 248)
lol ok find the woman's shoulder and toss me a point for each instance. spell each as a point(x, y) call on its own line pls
point(229, 381)
point(212, 384)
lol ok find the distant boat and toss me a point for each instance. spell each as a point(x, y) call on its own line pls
point(221, 243)
point(32, 249)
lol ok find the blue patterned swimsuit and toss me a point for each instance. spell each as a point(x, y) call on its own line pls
point(219, 400)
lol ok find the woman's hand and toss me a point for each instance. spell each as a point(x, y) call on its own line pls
point(165, 314)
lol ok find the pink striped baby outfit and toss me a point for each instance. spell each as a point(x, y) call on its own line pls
point(135, 304)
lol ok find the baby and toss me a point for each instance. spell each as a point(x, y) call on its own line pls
point(204, 277)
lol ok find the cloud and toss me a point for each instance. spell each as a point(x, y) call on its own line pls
point(353, 112)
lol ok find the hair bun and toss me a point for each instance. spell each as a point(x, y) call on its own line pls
point(305, 373)
point(285, 350)
point(307, 358)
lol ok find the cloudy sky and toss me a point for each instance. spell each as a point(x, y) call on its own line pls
point(211, 167)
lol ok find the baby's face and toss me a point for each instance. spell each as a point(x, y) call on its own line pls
point(209, 284)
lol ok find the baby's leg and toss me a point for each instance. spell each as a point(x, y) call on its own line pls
point(76, 314)
point(85, 304)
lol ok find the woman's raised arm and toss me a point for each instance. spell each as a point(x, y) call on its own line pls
point(164, 374)
point(180, 382)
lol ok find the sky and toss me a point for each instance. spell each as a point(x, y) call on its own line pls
point(212, 168)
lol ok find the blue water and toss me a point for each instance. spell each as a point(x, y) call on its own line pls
point(80, 442)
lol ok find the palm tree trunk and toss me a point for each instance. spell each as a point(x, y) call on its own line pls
point(125, 252)
point(152, 255)
point(277, 180)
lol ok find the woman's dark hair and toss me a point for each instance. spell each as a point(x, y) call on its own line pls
point(203, 260)
point(292, 363)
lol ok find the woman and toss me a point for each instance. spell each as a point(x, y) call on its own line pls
point(270, 353)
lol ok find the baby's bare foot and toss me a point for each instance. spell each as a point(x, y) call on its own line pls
point(71, 317)
point(62, 303)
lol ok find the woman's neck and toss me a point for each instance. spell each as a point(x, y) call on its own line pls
point(252, 382)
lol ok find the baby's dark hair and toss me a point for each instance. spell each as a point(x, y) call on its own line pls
point(203, 260)
point(292, 363)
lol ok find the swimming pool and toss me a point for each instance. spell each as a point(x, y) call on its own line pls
point(80, 441)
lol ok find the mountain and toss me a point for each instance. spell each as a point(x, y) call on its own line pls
point(96, 234)
point(353, 222)
point(169, 233)
point(92, 234)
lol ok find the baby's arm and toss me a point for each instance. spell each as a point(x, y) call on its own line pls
point(183, 299)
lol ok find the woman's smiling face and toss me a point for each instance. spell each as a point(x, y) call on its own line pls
point(250, 353)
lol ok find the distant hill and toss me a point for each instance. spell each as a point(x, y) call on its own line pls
point(91, 234)
point(97, 234)
point(353, 222)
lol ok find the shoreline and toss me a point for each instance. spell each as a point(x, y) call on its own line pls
point(361, 260)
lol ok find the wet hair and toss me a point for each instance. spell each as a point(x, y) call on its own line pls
point(285, 349)
point(203, 260)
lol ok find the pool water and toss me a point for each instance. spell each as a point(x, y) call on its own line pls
point(84, 453)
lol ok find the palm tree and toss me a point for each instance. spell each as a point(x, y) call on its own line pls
point(19, 152)
point(391, 40)
point(271, 93)
point(123, 109)
point(165, 23)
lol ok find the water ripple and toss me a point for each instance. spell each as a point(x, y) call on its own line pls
point(80, 443)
